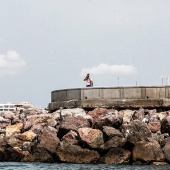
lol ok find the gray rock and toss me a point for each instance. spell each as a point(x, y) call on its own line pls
point(72, 122)
point(135, 131)
point(113, 119)
point(111, 132)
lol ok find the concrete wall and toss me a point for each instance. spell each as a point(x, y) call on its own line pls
point(65, 95)
point(110, 96)
point(133, 92)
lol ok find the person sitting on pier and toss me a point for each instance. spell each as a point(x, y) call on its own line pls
point(89, 81)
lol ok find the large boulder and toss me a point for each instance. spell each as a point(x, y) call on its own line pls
point(97, 113)
point(112, 118)
point(14, 141)
point(114, 142)
point(34, 111)
point(48, 140)
point(71, 138)
point(127, 115)
point(135, 131)
point(73, 122)
point(56, 115)
point(76, 154)
point(12, 133)
point(36, 119)
point(166, 149)
point(13, 129)
point(11, 154)
point(147, 152)
point(42, 118)
point(110, 132)
point(91, 137)
point(160, 138)
point(52, 122)
point(8, 115)
point(27, 136)
point(38, 128)
point(4, 122)
point(38, 155)
point(165, 125)
point(138, 114)
point(74, 111)
point(116, 156)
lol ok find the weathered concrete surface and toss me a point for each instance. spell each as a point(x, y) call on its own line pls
point(110, 97)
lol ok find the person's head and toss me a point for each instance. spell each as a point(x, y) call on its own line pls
point(88, 75)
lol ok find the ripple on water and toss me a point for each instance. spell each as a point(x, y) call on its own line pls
point(67, 166)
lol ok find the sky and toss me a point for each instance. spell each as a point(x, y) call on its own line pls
point(52, 45)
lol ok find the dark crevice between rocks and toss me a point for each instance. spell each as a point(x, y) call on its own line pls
point(56, 158)
point(62, 132)
point(129, 146)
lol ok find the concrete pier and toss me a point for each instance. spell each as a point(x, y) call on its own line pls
point(111, 97)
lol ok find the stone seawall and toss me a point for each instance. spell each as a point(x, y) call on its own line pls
point(111, 97)
point(109, 136)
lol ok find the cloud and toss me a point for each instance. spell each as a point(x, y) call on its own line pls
point(11, 63)
point(109, 69)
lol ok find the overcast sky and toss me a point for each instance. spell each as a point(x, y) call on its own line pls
point(47, 45)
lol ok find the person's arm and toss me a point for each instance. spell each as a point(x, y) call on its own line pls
point(86, 78)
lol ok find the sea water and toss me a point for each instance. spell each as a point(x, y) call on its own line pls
point(66, 166)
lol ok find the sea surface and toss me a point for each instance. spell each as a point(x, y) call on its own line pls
point(65, 166)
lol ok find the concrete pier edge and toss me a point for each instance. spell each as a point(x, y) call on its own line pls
point(111, 97)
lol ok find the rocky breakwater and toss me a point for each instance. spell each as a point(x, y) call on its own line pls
point(78, 136)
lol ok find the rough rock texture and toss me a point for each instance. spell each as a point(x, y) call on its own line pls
point(112, 118)
point(139, 136)
point(76, 154)
point(91, 137)
point(165, 125)
point(11, 155)
point(127, 115)
point(97, 114)
point(27, 136)
point(114, 142)
point(48, 140)
point(111, 132)
point(146, 152)
point(166, 149)
point(116, 156)
point(135, 131)
point(72, 122)
point(38, 155)
point(71, 138)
